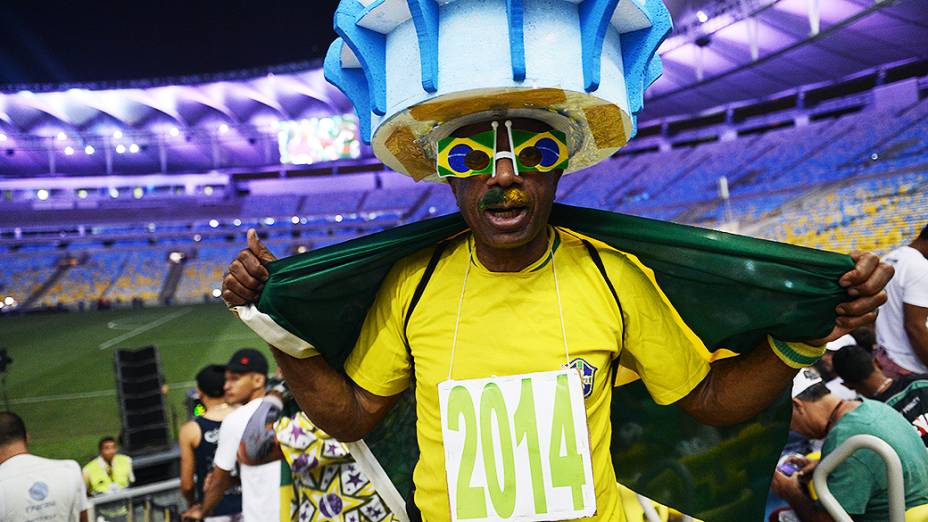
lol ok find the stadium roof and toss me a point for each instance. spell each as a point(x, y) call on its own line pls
point(747, 50)
point(708, 62)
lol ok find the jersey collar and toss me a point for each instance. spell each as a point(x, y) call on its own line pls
point(554, 240)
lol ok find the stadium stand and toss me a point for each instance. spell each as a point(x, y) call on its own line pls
point(203, 273)
point(332, 203)
point(874, 214)
point(848, 182)
point(25, 273)
point(141, 276)
point(84, 279)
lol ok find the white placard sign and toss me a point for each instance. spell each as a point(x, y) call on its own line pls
point(517, 447)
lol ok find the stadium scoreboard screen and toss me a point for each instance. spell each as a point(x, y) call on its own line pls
point(314, 140)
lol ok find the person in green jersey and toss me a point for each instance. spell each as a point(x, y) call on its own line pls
point(860, 483)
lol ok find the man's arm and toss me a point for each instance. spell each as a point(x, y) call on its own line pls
point(220, 480)
point(80, 495)
point(87, 485)
point(739, 388)
point(333, 402)
point(259, 441)
point(789, 489)
point(187, 439)
point(914, 319)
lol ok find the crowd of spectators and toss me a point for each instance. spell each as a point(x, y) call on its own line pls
point(874, 383)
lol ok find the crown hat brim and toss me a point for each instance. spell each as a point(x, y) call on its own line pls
point(580, 66)
point(594, 129)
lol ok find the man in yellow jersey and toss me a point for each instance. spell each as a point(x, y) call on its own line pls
point(510, 322)
point(513, 332)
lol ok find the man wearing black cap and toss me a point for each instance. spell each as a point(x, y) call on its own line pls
point(245, 381)
point(198, 441)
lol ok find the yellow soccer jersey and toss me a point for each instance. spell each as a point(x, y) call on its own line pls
point(509, 325)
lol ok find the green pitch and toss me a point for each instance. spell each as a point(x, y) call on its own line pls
point(62, 383)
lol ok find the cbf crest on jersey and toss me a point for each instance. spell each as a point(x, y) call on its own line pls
point(587, 374)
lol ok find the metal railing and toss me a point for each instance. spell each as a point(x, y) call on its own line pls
point(152, 502)
point(840, 454)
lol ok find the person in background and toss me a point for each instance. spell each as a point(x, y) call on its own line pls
point(907, 394)
point(901, 329)
point(110, 471)
point(324, 480)
point(33, 488)
point(245, 382)
point(825, 367)
point(860, 483)
point(198, 440)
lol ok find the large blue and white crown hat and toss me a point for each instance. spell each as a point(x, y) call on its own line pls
point(416, 70)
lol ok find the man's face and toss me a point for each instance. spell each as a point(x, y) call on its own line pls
point(239, 387)
point(806, 419)
point(108, 450)
point(505, 211)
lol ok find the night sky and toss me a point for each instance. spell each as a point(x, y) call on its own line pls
point(59, 42)
point(105, 40)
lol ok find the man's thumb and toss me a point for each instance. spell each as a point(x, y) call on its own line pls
point(258, 249)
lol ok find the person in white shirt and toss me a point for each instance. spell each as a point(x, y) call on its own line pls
point(36, 488)
point(901, 330)
point(246, 379)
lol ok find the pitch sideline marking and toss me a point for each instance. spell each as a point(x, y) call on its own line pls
point(144, 328)
point(86, 395)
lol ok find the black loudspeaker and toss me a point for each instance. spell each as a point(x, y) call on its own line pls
point(141, 403)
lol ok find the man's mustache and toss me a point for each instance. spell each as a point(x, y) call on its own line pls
point(498, 197)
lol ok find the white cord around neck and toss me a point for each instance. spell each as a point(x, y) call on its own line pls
point(560, 311)
point(457, 320)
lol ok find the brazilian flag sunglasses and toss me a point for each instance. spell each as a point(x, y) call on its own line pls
point(477, 155)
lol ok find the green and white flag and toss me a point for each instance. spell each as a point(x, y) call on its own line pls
point(731, 290)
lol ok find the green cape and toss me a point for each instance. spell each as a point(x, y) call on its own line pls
point(732, 291)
